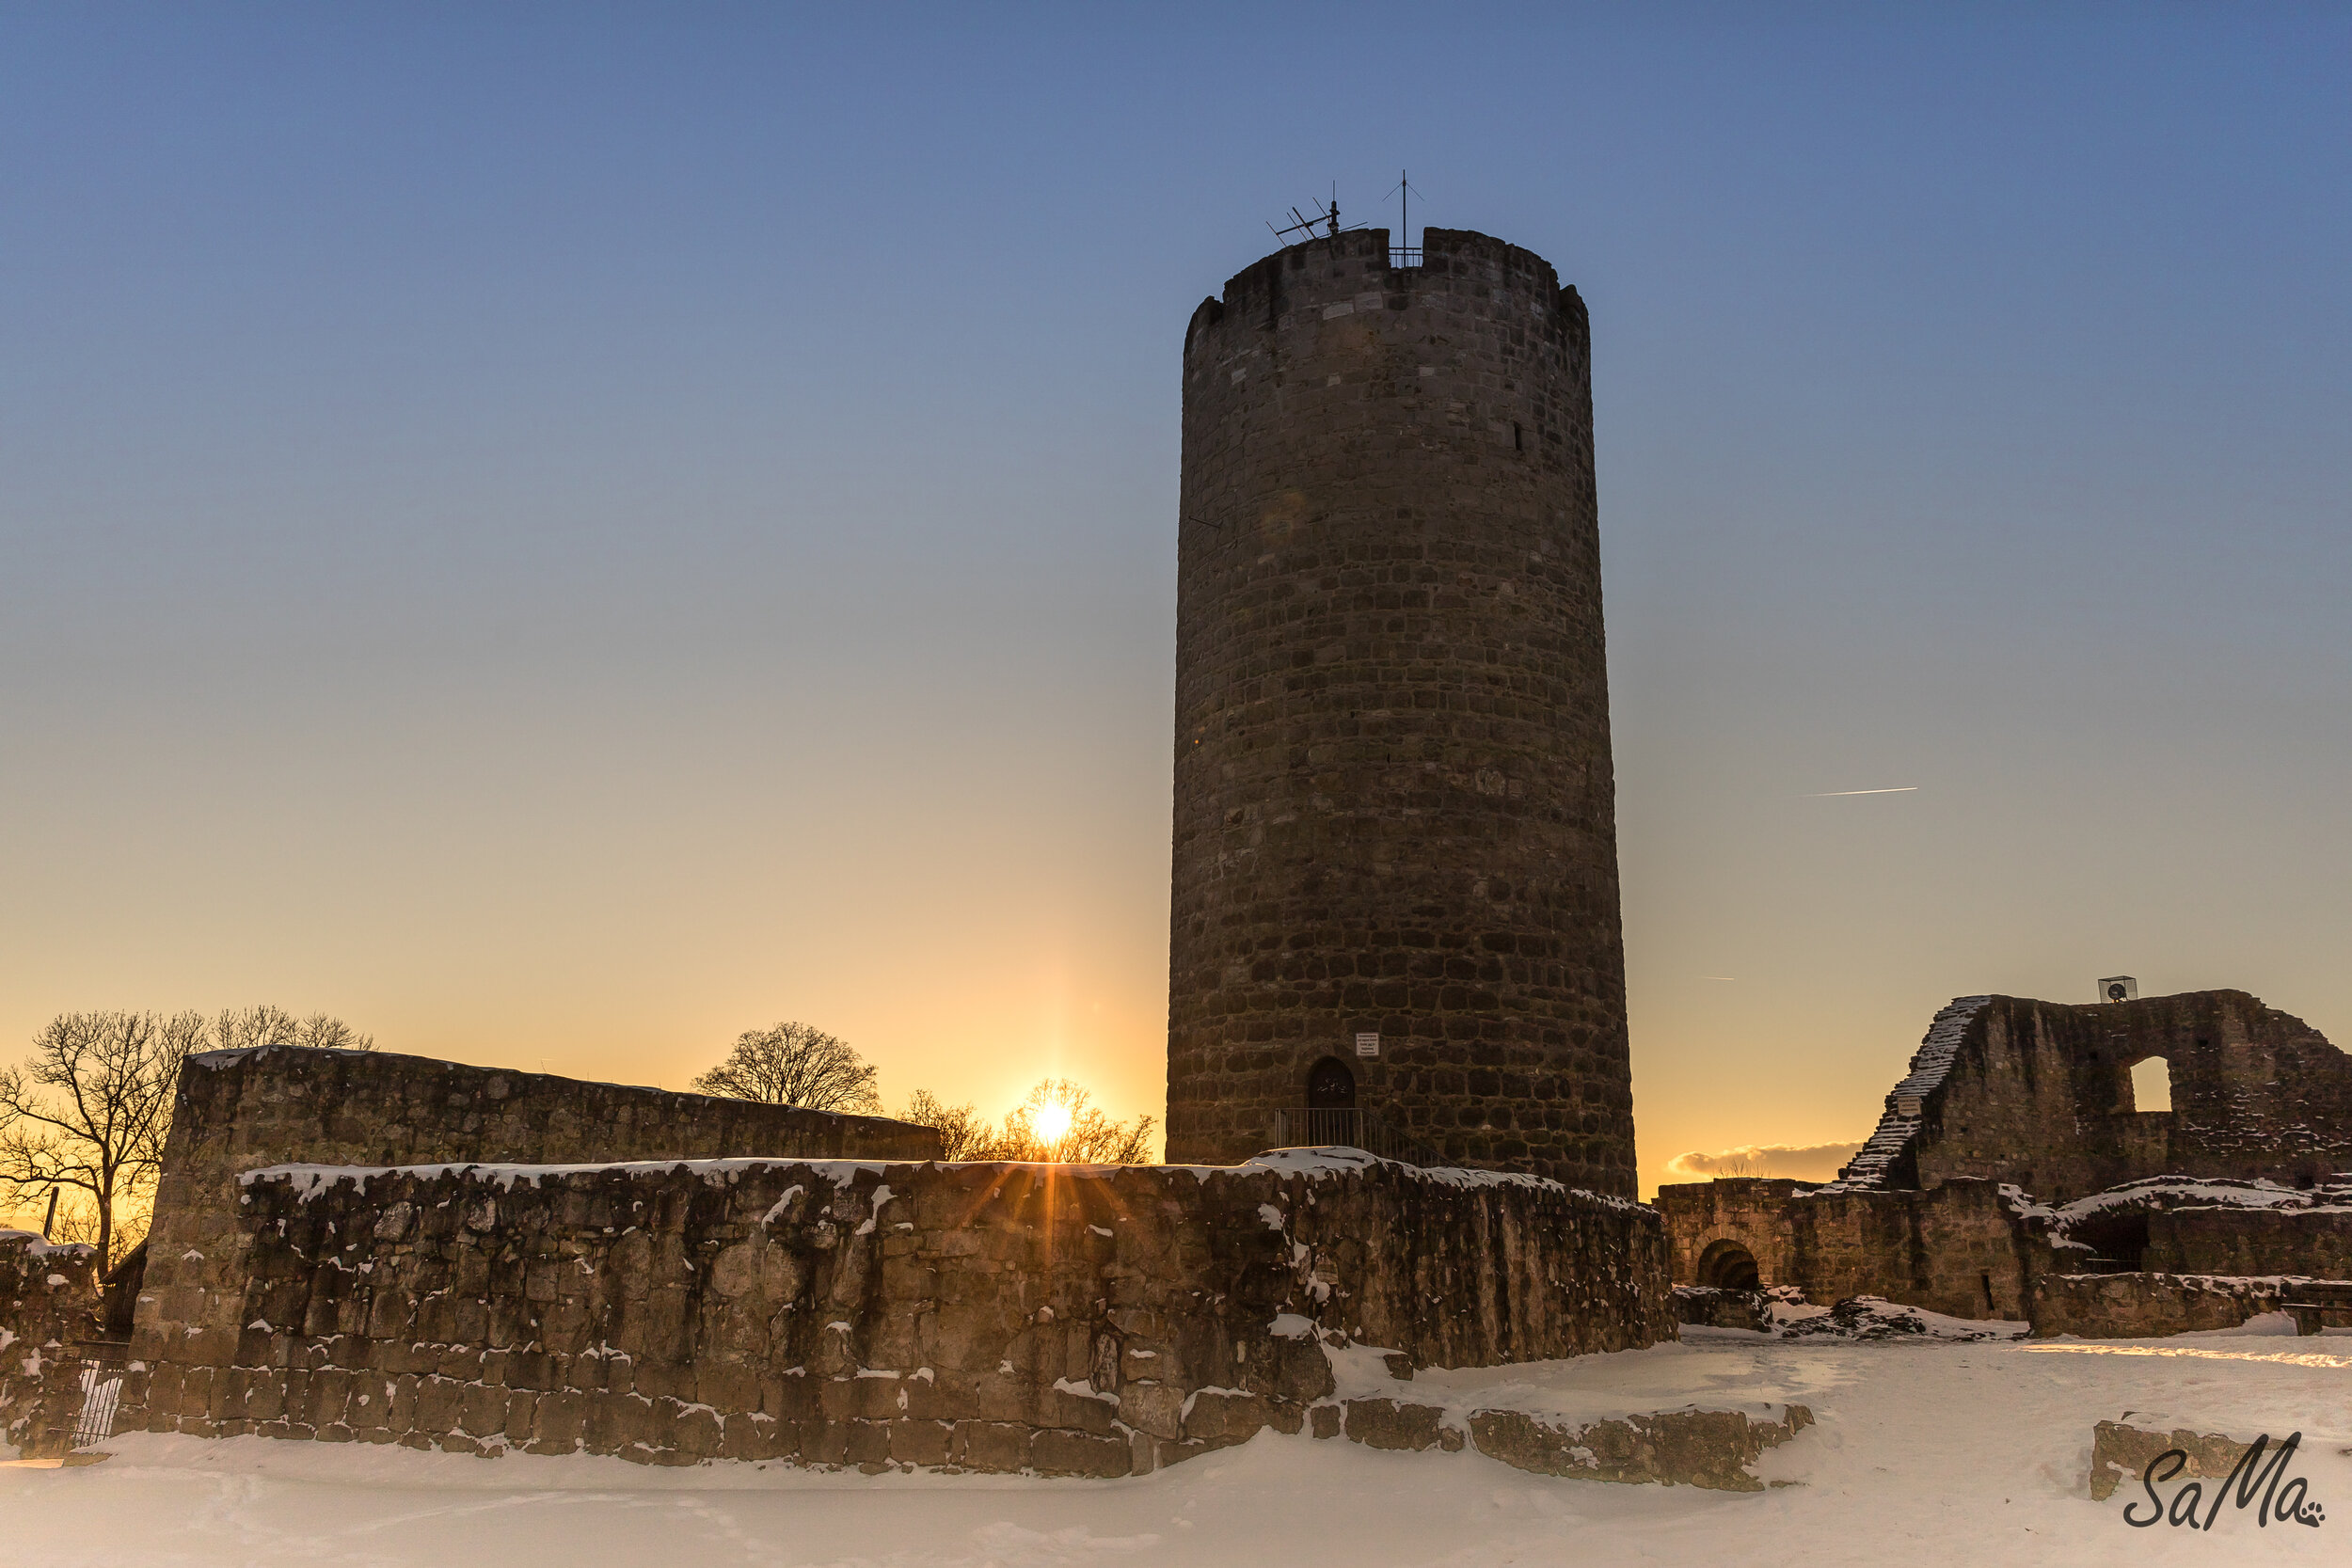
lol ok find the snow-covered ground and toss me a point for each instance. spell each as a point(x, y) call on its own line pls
point(1926, 1452)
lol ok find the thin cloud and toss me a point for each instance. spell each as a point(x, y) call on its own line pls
point(1834, 793)
point(1799, 1162)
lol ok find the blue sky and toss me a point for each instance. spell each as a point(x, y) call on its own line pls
point(561, 533)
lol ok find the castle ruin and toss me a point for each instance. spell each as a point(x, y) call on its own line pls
point(1395, 928)
point(2013, 1174)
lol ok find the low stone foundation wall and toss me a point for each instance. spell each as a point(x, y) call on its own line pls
point(2313, 1243)
point(1707, 1307)
point(2149, 1305)
point(1066, 1319)
point(47, 1301)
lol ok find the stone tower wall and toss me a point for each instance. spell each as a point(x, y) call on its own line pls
point(1395, 803)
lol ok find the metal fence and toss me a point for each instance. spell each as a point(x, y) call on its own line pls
point(103, 1368)
point(1348, 1127)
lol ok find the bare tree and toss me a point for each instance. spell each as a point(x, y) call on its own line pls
point(88, 1112)
point(1059, 1122)
point(239, 1028)
point(87, 1115)
point(795, 1063)
point(964, 1133)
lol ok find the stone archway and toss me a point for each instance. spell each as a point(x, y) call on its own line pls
point(1728, 1265)
point(1331, 1117)
point(1330, 1087)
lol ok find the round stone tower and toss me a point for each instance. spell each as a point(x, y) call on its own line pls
point(1396, 810)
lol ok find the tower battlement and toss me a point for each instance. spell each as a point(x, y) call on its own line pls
point(1316, 273)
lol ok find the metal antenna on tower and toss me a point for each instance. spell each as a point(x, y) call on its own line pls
point(1404, 254)
point(1327, 218)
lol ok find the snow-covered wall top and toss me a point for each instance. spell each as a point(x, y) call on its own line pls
point(1089, 1320)
point(1313, 1164)
point(1906, 1101)
point(240, 1110)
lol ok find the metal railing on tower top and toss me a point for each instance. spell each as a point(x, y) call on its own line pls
point(1349, 1127)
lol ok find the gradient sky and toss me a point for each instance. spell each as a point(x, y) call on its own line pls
point(561, 532)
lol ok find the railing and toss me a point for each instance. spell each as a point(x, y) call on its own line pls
point(103, 1366)
point(1405, 256)
point(1348, 1127)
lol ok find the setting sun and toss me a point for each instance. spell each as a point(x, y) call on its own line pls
point(1053, 1123)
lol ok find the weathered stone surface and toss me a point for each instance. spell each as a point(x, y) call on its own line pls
point(2315, 1244)
point(238, 1110)
point(2147, 1305)
point(1394, 801)
point(1692, 1448)
point(2039, 1094)
point(1957, 1249)
point(1082, 1321)
point(1705, 1306)
point(49, 1303)
point(1384, 1424)
point(2120, 1453)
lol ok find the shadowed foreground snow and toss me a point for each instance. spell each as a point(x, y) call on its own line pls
point(1925, 1452)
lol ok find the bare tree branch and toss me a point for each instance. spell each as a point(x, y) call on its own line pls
point(88, 1109)
point(243, 1028)
point(794, 1064)
point(964, 1133)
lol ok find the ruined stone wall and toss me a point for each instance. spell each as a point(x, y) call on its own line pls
point(1750, 1210)
point(1394, 802)
point(1956, 1249)
point(48, 1303)
point(2315, 1244)
point(2039, 1094)
point(1070, 1320)
point(2148, 1306)
point(237, 1110)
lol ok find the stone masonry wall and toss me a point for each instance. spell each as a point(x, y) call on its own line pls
point(1750, 1210)
point(1955, 1249)
point(1394, 801)
point(48, 1302)
point(2040, 1094)
point(238, 1110)
point(1067, 1320)
point(2315, 1244)
point(2148, 1306)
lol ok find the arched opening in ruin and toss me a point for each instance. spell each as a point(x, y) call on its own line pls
point(1330, 1087)
point(1729, 1266)
point(2152, 1084)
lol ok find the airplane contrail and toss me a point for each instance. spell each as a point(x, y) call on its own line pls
point(1829, 794)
